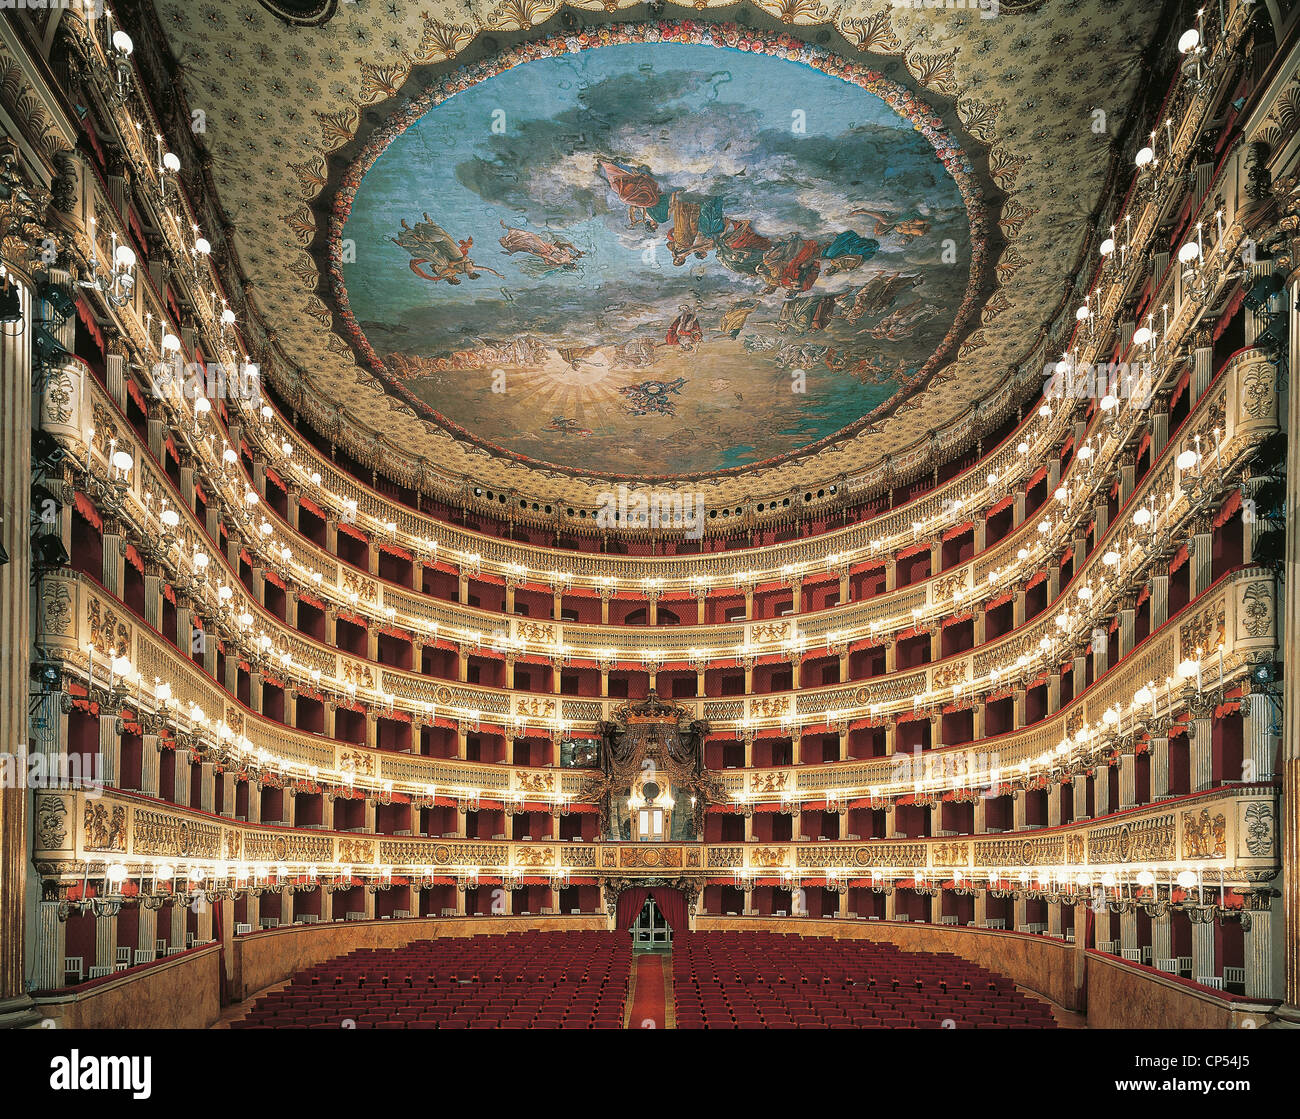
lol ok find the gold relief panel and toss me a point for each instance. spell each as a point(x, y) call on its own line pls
point(56, 608)
point(358, 674)
point(609, 857)
point(535, 706)
point(1142, 841)
point(104, 827)
point(540, 632)
point(767, 707)
point(692, 858)
point(726, 858)
point(1257, 830)
point(773, 781)
point(1257, 394)
point(356, 850)
point(1205, 835)
point(52, 823)
point(903, 854)
point(1255, 617)
point(108, 632)
point(1076, 849)
point(762, 632)
point(234, 843)
point(820, 855)
point(945, 676)
point(650, 858)
point(768, 856)
point(534, 857)
point(286, 847)
point(951, 854)
point(1042, 851)
point(583, 857)
point(537, 782)
point(357, 762)
point(365, 589)
point(160, 834)
point(1204, 631)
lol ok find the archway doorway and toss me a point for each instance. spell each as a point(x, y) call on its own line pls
point(651, 931)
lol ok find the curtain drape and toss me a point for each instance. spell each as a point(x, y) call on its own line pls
point(672, 904)
point(630, 902)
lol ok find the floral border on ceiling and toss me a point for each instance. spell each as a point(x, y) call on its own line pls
point(725, 35)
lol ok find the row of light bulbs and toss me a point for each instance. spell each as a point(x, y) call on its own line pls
point(169, 344)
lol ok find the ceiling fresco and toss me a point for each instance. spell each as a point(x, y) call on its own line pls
point(675, 252)
point(316, 135)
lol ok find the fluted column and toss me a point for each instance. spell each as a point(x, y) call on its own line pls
point(1200, 743)
point(1261, 718)
point(149, 761)
point(1203, 961)
point(1159, 595)
point(146, 932)
point(181, 783)
point(1201, 557)
point(1162, 939)
point(1262, 946)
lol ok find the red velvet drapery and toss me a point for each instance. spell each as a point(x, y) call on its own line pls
point(672, 904)
point(630, 902)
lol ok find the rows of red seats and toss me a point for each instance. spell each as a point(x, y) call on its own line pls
point(575, 980)
point(757, 980)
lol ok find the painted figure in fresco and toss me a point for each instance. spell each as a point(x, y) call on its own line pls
point(575, 356)
point(685, 331)
point(637, 190)
point(639, 353)
point(806, 314)
point(696, 227)
point(429, 243)
point(567, 425)
point(740, 248)
point(793, 263)
point(908, 227)
point(877, 295)
point(554, 251)
point(902, 323)
point(733, 321)
point(848, 251)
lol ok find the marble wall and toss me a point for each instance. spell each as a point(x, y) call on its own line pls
point(181, 992)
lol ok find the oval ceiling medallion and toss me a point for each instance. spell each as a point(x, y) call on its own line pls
point(658, 249)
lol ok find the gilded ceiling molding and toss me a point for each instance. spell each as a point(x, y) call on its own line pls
point(936, 53)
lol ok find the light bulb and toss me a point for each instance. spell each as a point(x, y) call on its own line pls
point(171, 162)
point(1144, 157)
point(1189, 40)
point(124, 258)
point(1108, 246)
point(123, 460)
point(1141, 336)
point(122, 43)
point(1189, 252)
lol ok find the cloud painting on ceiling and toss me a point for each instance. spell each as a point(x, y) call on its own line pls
point(632, 255)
